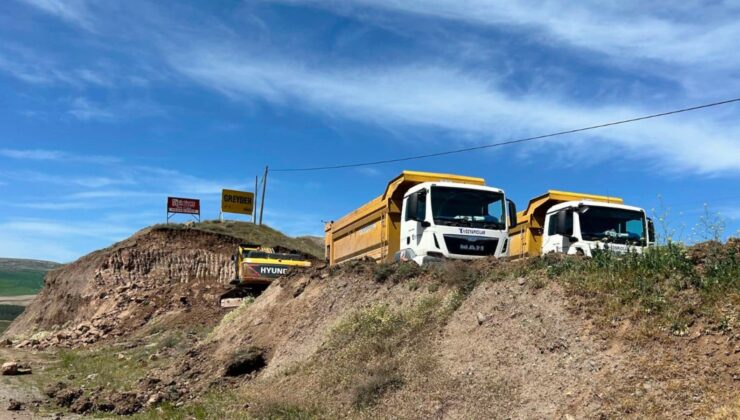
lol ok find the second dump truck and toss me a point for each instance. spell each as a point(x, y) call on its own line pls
point(424, 216)
point(578, 224)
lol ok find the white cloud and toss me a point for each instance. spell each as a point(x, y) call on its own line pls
point(452, 99)
point(73, 11)
point(32, 154)
point(56, 155)
point(626, 28)
point(57, 179)
point(85, 110)
point(687, 42)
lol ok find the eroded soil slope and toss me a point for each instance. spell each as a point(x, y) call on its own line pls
point(157, 273)
point(462, 341)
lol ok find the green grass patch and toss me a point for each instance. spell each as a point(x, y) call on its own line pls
point(284, 411)
point(21, 282)
point(101, 368)
point(10, 312)
point(216, 404)
point(4, 326)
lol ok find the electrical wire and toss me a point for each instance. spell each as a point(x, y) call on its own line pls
point(509, 142)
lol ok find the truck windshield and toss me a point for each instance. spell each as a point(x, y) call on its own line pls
point(612, 225)
point(467, 207)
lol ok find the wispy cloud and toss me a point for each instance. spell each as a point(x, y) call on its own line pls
point(453, 99)
point(32, 154)
point(26, 177)
point(30, 67)
point(55, 155)
point(73, 11)
point(86, 110)
point(687, 43)
point(629, 28)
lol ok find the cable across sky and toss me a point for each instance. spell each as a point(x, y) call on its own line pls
point(508, 142)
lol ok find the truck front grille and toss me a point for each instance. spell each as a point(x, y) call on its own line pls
point(471, 245)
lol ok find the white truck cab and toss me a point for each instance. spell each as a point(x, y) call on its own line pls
point(580, 227)
point(454, 220)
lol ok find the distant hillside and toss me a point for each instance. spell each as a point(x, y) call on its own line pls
point(251, 233)
point(16, 264)
point(23, 277)
point(318, 240)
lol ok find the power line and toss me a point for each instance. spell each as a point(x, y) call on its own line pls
point(509, 142)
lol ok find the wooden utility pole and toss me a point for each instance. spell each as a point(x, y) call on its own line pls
point(264, 190)
point(256, 199)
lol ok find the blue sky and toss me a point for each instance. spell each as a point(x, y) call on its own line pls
point(109, 107)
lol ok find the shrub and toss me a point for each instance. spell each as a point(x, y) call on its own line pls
point(459, 274)
point(383, 271)
point(368, 392)
point(407, 270)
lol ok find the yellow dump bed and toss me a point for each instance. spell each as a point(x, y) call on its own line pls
point(525, 239)
point(373, 230)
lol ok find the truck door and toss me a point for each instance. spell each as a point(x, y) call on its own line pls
point(414, 220)
point(559, 231)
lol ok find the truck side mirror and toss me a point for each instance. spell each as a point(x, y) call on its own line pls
point(651, 231)
point(512, 213)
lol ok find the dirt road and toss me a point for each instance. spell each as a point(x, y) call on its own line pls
point(23, 388)
point(22, 300)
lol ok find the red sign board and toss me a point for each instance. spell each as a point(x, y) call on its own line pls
point(183, 205)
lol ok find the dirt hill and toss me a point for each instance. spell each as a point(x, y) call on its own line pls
point(639, 336)
point(462, 340)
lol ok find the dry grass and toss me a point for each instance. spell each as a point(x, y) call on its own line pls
point(251, 233)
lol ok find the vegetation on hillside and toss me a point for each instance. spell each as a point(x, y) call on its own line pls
point(251, 233)
point(17, 264)
point(10, 312)
point(24, 282)
point(23, 277)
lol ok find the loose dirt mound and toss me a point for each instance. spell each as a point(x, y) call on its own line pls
point(508, 348)
point(157, 275)
point(431, 344)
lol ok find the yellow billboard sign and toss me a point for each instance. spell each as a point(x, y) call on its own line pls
point(233, 201)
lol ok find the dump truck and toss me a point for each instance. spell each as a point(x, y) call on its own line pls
point(256, 267)
point(424, 217)
point(578, 224)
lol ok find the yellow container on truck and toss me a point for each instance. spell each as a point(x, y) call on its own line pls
point(576, 223)
point(424, 216)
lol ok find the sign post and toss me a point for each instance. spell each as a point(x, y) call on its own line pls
point(264, 191)
point(177, 205)
point(240, 202)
